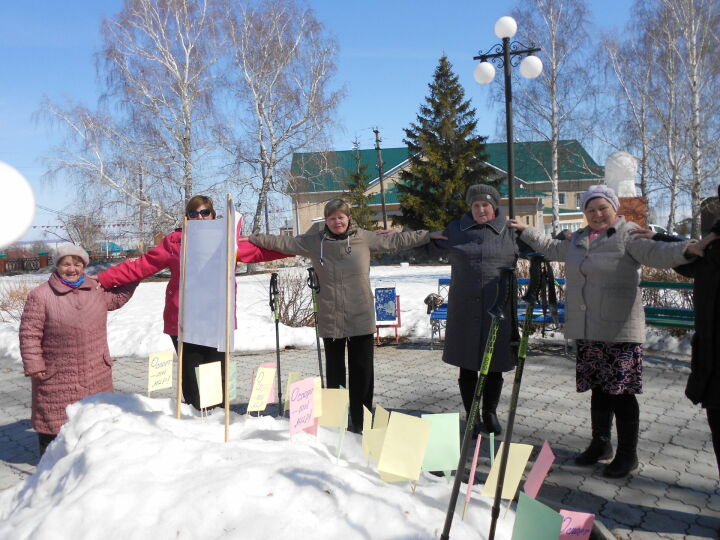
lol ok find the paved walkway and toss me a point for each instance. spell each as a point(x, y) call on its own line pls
point(675, 493)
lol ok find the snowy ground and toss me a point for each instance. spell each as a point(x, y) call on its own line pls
point(136, 329)
point(123, 467)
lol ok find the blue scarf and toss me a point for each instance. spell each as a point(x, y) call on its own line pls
point(73, 284)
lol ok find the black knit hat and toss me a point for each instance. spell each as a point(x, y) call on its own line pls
point(483, 192)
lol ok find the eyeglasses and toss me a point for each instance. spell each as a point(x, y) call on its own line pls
point(193, 214)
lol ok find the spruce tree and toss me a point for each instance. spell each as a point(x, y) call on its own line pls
point(446, 156)
point(357, 185)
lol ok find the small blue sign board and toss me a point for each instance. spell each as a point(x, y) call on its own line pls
point(385, 305)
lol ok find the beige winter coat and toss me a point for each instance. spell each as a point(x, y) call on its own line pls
point(346, 306)
point(602, 294)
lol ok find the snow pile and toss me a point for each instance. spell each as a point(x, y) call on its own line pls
point(124, 467)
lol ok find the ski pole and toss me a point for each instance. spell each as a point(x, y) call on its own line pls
point(275, 308)
point(552, 293)
point(497, 313)
point(530, 298)
point(314, 284)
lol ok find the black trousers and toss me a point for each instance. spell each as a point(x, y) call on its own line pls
point(713, 416)
point(44, 440)
point(194, 356)
point(361, 371)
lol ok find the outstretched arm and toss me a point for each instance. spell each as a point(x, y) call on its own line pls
point(148, 264)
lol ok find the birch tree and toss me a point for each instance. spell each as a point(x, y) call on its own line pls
point(547, 108)
point(144, 144)
point(283, 63)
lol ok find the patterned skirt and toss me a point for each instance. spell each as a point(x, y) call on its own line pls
point(614, 368)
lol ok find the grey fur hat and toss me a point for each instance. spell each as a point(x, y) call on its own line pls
point(70, 249)
point(483, 192)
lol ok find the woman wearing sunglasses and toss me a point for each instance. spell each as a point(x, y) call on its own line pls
point(166, 255)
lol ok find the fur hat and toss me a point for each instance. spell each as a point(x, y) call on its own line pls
point(483, 192)
point(602, 191)
point(70, 249)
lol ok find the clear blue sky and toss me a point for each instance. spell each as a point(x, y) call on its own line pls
point(388, 52)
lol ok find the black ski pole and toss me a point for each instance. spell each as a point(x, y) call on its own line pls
point(497, 313)
point(275, 307)
point(530, 298)
point(552, 293)
point(314, 284)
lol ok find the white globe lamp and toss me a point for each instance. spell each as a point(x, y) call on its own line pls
point(484, 73)
point(531, 67)
point(505, 27)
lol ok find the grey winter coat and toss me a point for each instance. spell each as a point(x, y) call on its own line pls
point(602, 294)
point(475, 252)
point(346, 306)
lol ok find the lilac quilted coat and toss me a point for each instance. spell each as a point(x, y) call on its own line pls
point(63, 332)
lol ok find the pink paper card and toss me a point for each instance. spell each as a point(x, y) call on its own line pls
point(301, 406)
point(471, 480)
point(539, 471)
point(576, 525)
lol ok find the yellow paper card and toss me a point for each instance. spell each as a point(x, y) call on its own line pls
point(160, 370)
point(335, 406)
point(382, 417)
point(404, 446)
point(374, 438)
point(262, 386)
point(293, 377)
point(317, 398)
point(367, 426)
point(517, 460)
point(209, 384)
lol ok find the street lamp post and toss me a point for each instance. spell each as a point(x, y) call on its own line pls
point(530, 67)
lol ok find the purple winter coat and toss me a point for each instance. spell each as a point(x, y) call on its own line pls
point(63, 332)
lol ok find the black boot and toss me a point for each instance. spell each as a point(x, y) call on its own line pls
point(467, 385)
point(490, 400)
point(625, 460)
point(601, 416)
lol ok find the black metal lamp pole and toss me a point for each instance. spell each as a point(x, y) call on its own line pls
point(504, 57)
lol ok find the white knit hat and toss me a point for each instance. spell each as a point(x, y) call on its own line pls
point(602, 191)
point(70, 249)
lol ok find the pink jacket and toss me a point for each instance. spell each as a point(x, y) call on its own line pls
point(63, 332)
point(167, 255)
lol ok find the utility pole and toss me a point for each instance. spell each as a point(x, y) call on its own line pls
point(380, 175)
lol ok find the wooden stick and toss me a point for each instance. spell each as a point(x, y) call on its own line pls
point(181, 313)
point(229, 305)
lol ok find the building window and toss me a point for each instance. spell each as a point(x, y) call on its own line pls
point(578, 196)
point(527, 220)
point(561, 199)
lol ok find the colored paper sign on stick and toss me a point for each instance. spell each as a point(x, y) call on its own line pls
point(335, 407)
point(160, 370)
point(293, 377)
point(539, 471)
point(374, 439)
point(535, 520)
point(381, 418)
point(443, 448)
point(517, 460)
point(301, 405)
point(576, 525)
point(471, 479)
point(317, 397)
point(263, 385)
point(404, 446)
point(209, 384)
point(273, 391)
point(367, 426)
